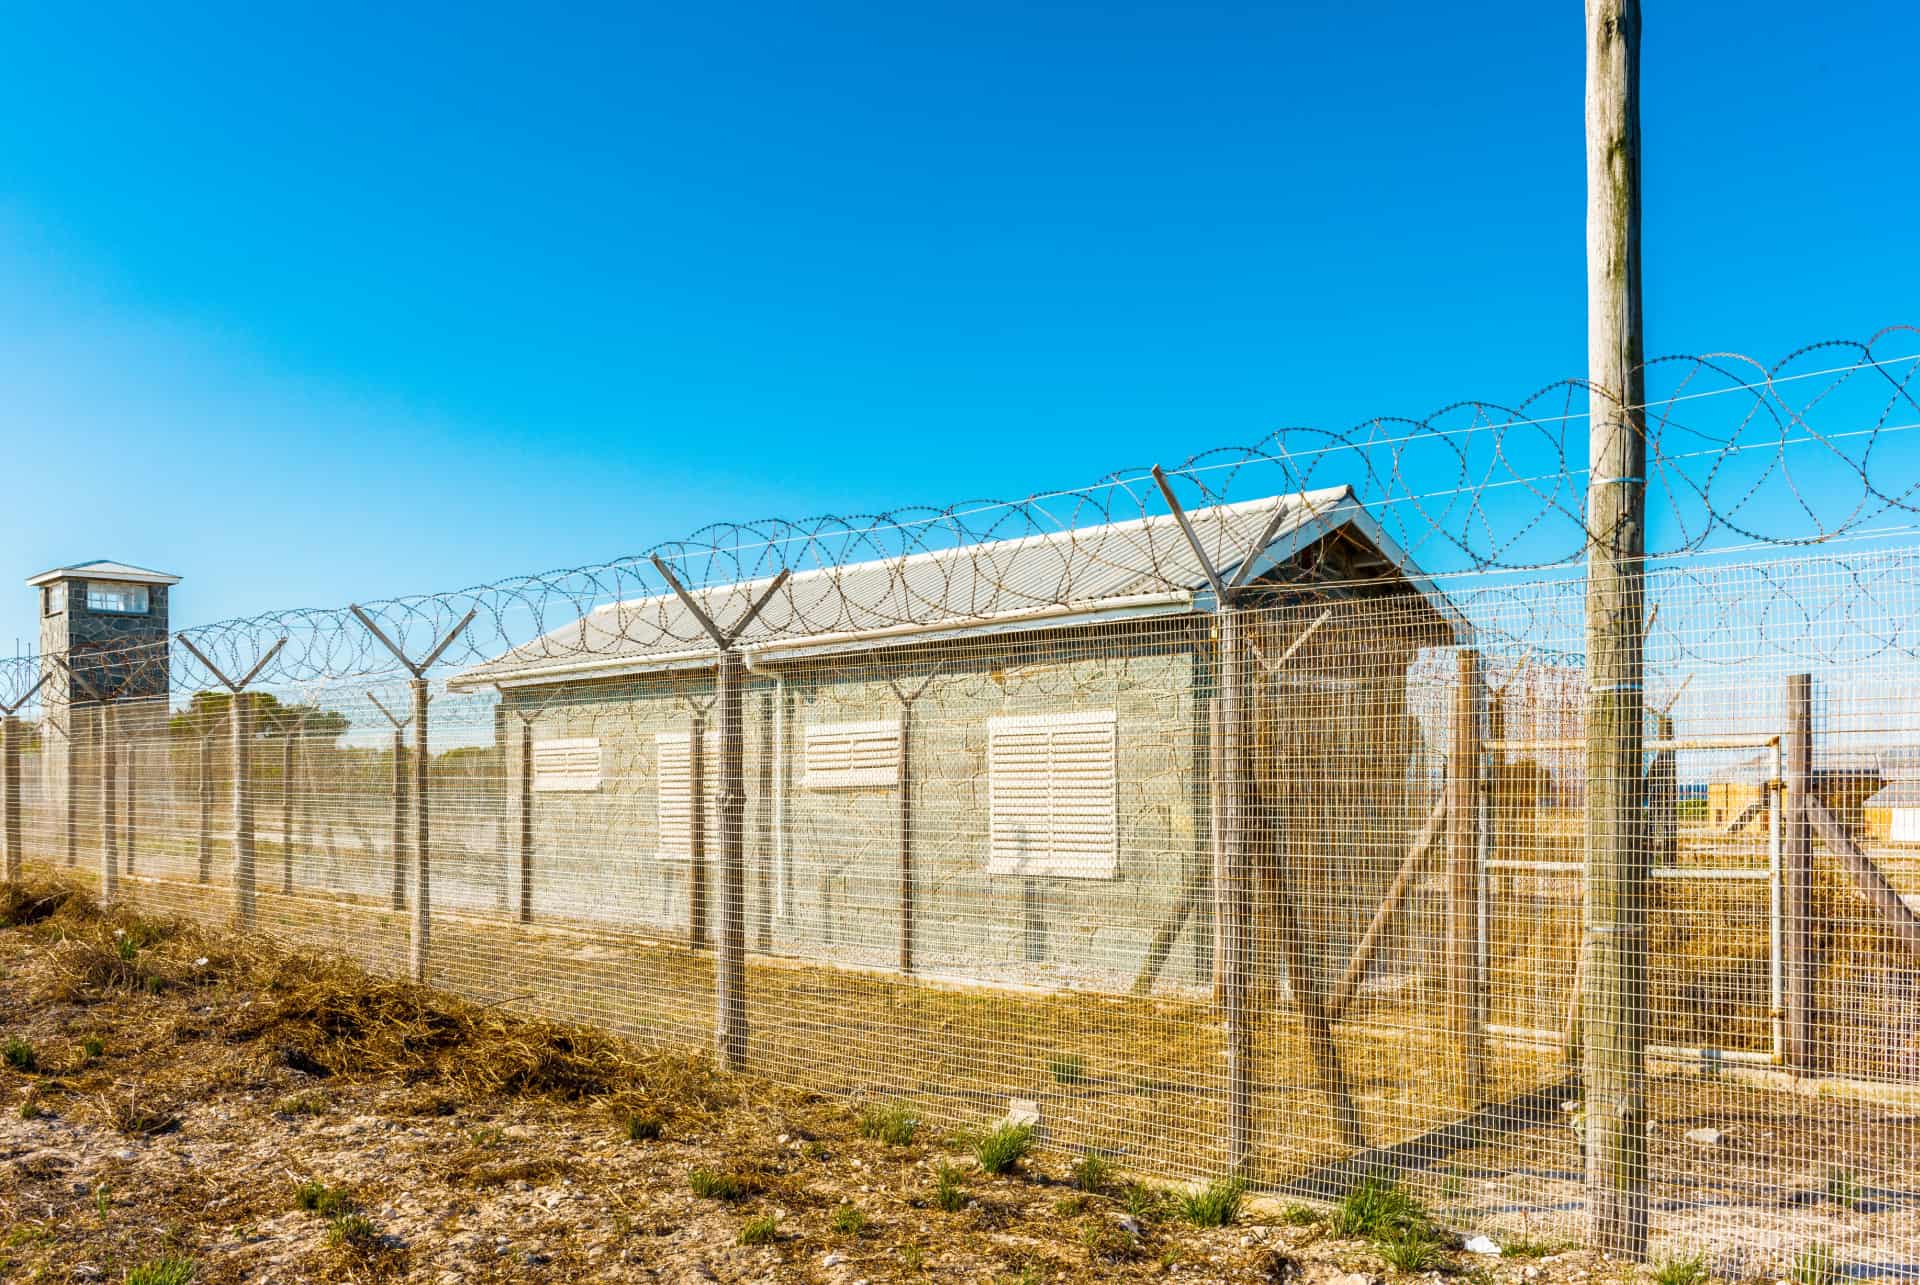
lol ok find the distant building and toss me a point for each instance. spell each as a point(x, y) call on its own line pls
point(1842, 779)
point(108, 621)
point(1892, 813)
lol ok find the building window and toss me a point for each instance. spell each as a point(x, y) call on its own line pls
point(569, 764)
point(1052, 795)
point(852, 756)
point(53, 599)
point(673, 778)
point(117, 597)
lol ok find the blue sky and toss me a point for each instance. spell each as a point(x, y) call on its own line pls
point(344, 302)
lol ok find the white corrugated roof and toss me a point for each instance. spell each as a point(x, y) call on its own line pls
point(1066, 577)
point(105, 569)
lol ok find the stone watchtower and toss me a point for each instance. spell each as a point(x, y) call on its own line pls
point(108, 622)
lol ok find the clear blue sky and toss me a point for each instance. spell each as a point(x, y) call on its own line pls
point(348, 302)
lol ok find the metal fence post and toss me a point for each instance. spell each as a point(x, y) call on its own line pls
point(421, 923)
point(1800, 957)
point(730, 963)
point(286, 810)
point(699, 932)
point(10, 795)
point(205, 790)
point(526, 821)
point(399, 825)
point(107, 756)
point(1466, 993)
point(240, 727)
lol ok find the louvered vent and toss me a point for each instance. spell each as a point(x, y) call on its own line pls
point(848, 756)
point(673, 776)
point(1052, 795)
point(569, 764)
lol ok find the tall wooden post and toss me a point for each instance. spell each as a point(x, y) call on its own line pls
point(240, 726)
point(526, 821)
point(906, 838)
point(10, 729)
point(286, 810)
point(1800, 963)
point(108, 754)
point(205, 790)
point(730, 964)
point(1466, 989)
point(421, 922)
point(1617, 877)
point(1232, 890)
point(397, 845)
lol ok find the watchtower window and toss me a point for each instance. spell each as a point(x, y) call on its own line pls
point(53, 599)
point(117, 597)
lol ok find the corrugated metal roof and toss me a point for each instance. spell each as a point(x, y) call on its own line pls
point(1069, 576)
point(106, 569)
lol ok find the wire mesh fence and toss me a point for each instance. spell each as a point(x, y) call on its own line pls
point(1216, 834)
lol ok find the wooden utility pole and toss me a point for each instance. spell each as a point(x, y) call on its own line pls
point(1617, 850)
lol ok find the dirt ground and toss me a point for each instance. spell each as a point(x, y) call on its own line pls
point(168, 1090)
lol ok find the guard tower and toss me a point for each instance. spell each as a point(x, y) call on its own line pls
point(108, 622)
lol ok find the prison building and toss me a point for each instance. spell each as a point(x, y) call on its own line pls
point(1892, 813)
point(951, 772)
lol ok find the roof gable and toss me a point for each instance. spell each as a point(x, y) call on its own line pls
point(105, 569)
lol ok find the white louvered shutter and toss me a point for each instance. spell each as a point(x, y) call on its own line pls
point(673, 777)
point(572, 763)
point(848, 756)
point(1052, 795)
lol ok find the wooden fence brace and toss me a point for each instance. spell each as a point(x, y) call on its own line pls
point(730, 964)
point(1396, 895)
point(397, 792)
point(1868, 880)
point(1800, 956)
point(204, 788)
point(11, 729)
point(420, 924)
point(240, 729)
point(905, 799)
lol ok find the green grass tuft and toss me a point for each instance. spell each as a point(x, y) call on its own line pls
point(1067, 1068)
point(1002, 1148)
point(1817, 1264)
point(1380, 1211)
point(317, 1197)
point(20, 1055)
point(894, 1125)
point(1410, 1251)
point(354, 1231)
point(1215, 1205)
point(847, 1220)
point(711, 1184)
point(1297, 1215)
point(1845, 1189)
point(1688, 1270)
point(949, 1191)
point(763, 1230)
point(644, 1128)
point(165, 1270)
point(92, 1049)
point(1092, 1171)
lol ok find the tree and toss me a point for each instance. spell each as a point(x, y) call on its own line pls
point(207, 713)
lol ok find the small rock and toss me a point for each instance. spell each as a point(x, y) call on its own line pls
point(1127, 1223)
point(1532, 1273)
point(831, 1260)
point(88, 1272)
point(1481, 1245)
point(1705, 1137)
point(1354, 1278)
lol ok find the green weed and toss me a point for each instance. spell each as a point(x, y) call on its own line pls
point(644, 1128)
point(711, 1184)
point(949, 1191)
point(1092, 1171)
point(317, 1197)
point(1690, 1270)
point(165, 1270)
point(847, 1220)
point(894, 1125)
point(1067, 1068)
point(1379, 1210)
point(1215, 1205)
point(763, 1230)
point(1001, 1149)
point(20, 1055)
